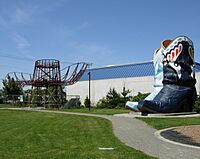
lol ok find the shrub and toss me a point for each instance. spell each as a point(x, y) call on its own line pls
point(87, 102)
point(102, 103)
point(72, 103)
point(125, 97)
point(196, 106)
point(1, 101)
point(114, 99)
point(139, 96)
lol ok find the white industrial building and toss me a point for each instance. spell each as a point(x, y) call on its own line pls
point(137, 77)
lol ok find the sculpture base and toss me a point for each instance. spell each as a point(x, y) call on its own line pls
point(158, 115)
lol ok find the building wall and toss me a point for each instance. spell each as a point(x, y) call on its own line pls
point(99, 88)
point(198, 82)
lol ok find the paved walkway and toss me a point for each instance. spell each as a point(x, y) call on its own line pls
point(140, 136)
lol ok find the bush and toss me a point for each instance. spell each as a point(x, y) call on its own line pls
point(125, 97)
point(196, 106)
point(1, 101)
point(87, 102)
point(139, 96)
point(114, 99)
point(102, 103)
point(72, 103)
point(118, 100)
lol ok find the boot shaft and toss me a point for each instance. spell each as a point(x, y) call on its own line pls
point(178, 62)
point(158, 68)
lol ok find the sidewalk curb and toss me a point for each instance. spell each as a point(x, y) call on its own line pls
point(159, 136)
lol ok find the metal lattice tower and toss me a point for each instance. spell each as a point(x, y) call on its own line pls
point(46, 73)
point(48, 80)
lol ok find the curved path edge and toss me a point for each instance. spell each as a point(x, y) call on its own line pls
point(158, 135)
point(138, 135)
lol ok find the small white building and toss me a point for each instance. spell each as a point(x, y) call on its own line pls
point(137, 77)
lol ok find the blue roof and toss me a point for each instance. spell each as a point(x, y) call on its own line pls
point(124, 71)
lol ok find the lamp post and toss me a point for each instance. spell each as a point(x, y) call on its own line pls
point(89, 78)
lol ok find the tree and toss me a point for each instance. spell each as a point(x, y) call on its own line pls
point(1, 98)
point(113, 98)
point(125, 96)
point(11, 87)
point(0, 92)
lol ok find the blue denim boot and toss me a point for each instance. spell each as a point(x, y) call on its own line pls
point(178, 93)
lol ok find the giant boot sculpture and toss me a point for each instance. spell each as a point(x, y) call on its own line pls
point(178, 93)
point(158, 78)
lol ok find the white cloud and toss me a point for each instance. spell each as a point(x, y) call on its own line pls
point(12, 16)
point(94, 49)
point(24, 15)
point(91, 52)
point(21, 42)
point(66, 31)
point(21, 16)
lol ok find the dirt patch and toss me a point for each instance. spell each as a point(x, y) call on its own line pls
point(186, 135)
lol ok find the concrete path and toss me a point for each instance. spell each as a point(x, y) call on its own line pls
point(140, 136)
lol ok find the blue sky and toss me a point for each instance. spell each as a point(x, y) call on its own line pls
point(102, 32)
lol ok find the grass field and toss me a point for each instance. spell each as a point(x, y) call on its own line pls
point(104, 111)
point(48, 135)
point(98, 111)
point(162, 123)
point(7, 106)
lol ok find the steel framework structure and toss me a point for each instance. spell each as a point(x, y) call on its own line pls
point(48, 79)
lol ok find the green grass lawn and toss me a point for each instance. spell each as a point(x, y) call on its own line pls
point(104, 111)
point(7, 106)
point(98, 111)
point(32, 135)
point(162, 123)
